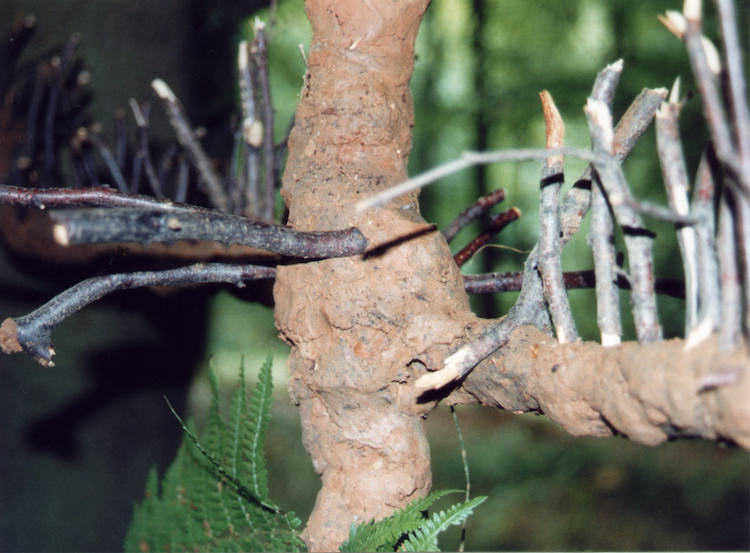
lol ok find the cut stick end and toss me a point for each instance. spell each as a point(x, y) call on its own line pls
point(609, 340)
point(60, 234)
point(162, 90)
point(436, 380)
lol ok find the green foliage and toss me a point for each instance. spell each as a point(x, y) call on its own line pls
point(214, 497)
point(409, 529)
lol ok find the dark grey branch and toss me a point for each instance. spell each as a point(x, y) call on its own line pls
point(32, 333)
point(93, 226)
point(493, 283)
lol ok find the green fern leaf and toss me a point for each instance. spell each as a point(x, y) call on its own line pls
point(383, 535)
point(204, 503)
point(259, 414)
point(425, 537)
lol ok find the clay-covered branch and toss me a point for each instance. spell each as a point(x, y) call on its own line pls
point(32, 333)
point(93, 226)
point(647, 392)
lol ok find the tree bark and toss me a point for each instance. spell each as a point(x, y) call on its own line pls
point(362, 328)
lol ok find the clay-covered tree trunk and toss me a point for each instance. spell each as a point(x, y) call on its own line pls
point(362, 328)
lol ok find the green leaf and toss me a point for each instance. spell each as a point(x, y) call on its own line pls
point(383, 535)
point(205, 503)
point(424, 538)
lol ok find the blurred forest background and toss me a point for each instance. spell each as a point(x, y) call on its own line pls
point(78, 439)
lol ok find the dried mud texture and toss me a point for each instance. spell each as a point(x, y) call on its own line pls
point(362, 328)
point(647, 392)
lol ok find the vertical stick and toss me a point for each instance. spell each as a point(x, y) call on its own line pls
point(638, 239)
point(674, 173)
point(550, 248)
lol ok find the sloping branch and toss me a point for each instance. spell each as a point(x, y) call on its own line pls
point(32, 333)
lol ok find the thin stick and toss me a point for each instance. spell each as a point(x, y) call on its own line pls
point(109, 161)
point(704, 191)
point(638, 240)
point(731, 313)
point(95, 226)
point(706, 71)
point(602, 241)
point(261, 60)
point(550, 249)
point(43, 198)
point(121, 138)
point(186, 137)
point(251, 133)
point(468, 159)
point(493, 283)
point(736, 77)
point(467, 476)
point(483, 204)
point(497, 222)
point(674, 173)
point(32, 333)
point(143, 152)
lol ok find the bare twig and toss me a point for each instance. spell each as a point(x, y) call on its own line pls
point(143, 152)
point(43, 198)
point(704, 192)
point(706, 67)
point(731, 312)
point(550, 249)
point(260, 56)
point(674, 172)
point(121, 138)
point(736, 77)
point(468, 159)
point(638, 240)
point(498, 221)
point(482, 205)
point(186, 137)
point(93, 226)
point(252, 133)
point(602, 242)
point(32, 333)
point(109, 161)
point(492, 283)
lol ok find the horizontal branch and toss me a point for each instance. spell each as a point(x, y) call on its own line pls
point(647, 392)
point(32, 333)
point(492, 283)
point(93, 226)
point(100, 196)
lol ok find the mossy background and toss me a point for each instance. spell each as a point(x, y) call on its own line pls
point(78, 439)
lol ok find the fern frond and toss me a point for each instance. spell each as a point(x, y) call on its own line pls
point(259, 415)
point(204, 505)
point(425, 537)
point(384, 534)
